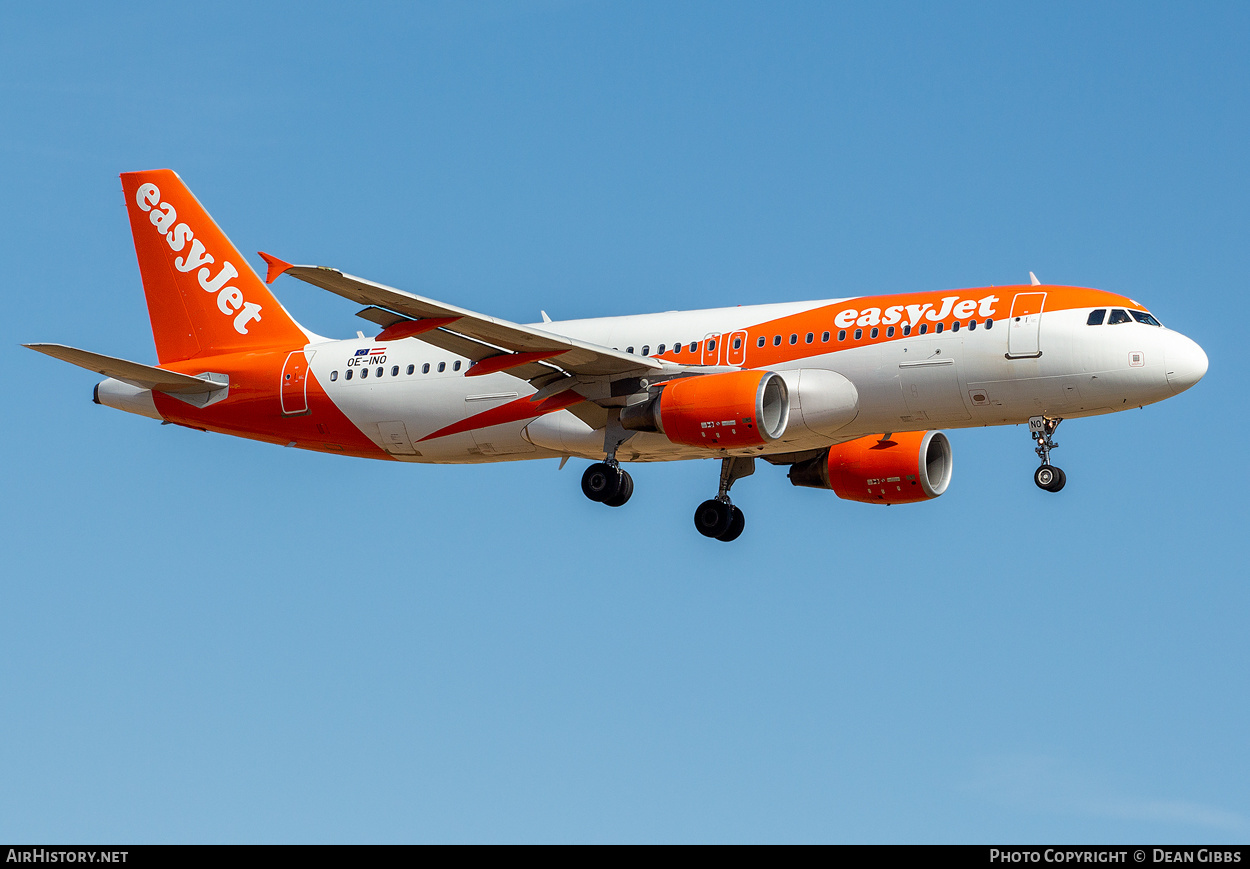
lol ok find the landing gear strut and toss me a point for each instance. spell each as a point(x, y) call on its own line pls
point(718, 517)
point(1042, 430)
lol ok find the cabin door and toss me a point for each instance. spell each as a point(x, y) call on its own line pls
point(1025, 326)
point(294, 385)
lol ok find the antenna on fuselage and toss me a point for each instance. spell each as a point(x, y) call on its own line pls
point(1033, 280)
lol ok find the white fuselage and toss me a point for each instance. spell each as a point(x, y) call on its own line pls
point(1058, 366)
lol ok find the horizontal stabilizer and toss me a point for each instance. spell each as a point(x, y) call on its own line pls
point(134, 373)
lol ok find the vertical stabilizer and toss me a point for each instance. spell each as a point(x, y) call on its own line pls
point(203, 297)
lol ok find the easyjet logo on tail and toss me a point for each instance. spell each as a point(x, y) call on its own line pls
point(229, 299)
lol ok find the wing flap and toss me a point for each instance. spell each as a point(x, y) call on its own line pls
point(381, 316)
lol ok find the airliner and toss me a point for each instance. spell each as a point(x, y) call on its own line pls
point(846, 393)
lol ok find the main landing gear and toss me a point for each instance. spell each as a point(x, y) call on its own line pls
point(607, 483)
point(1042, 430)
point(718, 517)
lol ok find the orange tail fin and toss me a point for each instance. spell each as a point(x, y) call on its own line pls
point(203, 297)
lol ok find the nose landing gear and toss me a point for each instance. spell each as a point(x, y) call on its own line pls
point(1042, 430)
point(717, 517)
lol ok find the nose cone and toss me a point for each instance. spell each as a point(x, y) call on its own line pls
point(1185, 361)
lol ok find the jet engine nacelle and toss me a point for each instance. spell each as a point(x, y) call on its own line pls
point(716, 411)
point(910, 466)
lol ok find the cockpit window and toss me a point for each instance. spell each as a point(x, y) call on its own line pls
point(1096, 317)
point(1143, 317)
point(1118, 316)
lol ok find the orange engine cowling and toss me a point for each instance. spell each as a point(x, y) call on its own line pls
point(910, 466)
point(716, 411)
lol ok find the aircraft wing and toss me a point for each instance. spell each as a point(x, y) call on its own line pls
point(493, 344)
point(134, 373)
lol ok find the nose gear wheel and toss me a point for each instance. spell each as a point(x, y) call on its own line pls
point(1050, 478)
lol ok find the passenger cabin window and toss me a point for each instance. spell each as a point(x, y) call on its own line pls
point(955, 326)
point(381, 371)
point(924, 327)
point(629, 349)
point(737, 343)
point(794, 339)
point(989, 322)
point(711, 345)
point(1143, 317)
point(425, 369)
point(411, 368)
point(859, 333)
point(646, 349)
point(938, 328)
point(776, 340)
point(841, 334)
point(874, 333)
point(761, 341)
point(442, 366)
point(889, 331)
point(455, 366)
point(395, 371)
point(972, 324)
point(824, 338)
point(334, 375)
point(347, 375)
point(810, 338)
point(659, 351)
point(694, 346)
point(1118, 316)
point(1096, 317)
point(906, 330)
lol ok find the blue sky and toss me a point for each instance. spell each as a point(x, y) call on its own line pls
point(213, 640)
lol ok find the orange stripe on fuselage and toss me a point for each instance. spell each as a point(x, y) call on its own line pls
point(513, 411)
point(825, 319)
point(253, 408)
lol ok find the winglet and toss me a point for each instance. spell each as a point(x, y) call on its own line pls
point(276, 266)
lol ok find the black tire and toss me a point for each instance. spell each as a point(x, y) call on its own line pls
point(627, 489)
point(1050, 478)
point(1045, 477)
point(1061, 480)
point(736, 524)
point(712, 518)
point(601, 481)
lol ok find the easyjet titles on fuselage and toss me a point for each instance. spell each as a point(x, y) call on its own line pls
point(950, 305)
